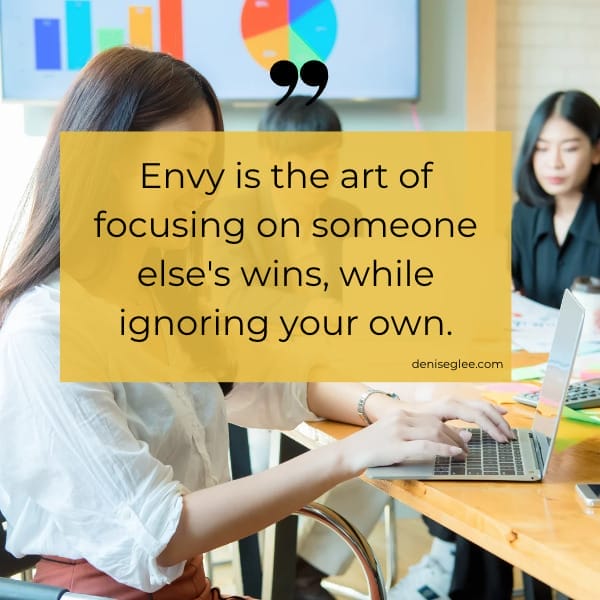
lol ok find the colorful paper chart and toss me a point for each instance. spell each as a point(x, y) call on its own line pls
point(294, 30)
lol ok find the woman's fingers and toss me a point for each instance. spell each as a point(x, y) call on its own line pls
point(488, 416)
point(465, 435)
point(429, 427)
point(426, 450)
point(492, 421)
point(421, 435)
point(404, 435)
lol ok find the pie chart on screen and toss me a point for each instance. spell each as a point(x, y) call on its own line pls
point(294, 30)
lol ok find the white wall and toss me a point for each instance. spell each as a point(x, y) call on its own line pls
point(18, 154)
point(544, 46)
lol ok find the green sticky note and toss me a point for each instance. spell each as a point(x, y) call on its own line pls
point(581, 415)
point(529, 373)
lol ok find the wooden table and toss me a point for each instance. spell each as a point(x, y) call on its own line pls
point(541, 528)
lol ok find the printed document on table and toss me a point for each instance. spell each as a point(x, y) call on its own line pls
point(533, 324)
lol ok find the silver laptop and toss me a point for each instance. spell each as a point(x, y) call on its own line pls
point(527, 457)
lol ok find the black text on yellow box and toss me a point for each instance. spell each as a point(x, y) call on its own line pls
point(275, 257)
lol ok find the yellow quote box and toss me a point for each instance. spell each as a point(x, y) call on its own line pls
point(285, 256)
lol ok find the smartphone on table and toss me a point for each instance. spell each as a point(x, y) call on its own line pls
point(589, 493)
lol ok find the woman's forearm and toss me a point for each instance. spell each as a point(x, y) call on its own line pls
point(339, 402)
point(216, 516)
point(219, 515)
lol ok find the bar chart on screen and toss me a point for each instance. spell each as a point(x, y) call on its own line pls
point(48, 41)
point(234, 43)
point(157, 25)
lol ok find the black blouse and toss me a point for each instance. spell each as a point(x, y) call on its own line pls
point(541, 269)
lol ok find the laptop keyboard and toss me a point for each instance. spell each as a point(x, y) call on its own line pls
point(486, 457)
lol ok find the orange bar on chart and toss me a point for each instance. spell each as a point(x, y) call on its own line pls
point(140, 26)
point(171, 28)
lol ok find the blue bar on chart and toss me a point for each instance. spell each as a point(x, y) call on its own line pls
point(79, 33)
point(47, 43)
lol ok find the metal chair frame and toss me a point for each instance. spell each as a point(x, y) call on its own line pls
point(358, 544)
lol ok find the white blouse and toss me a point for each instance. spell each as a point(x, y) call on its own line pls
point(97, 470)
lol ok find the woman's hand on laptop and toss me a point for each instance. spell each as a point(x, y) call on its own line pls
point(403, 435)
point(445, 401)
point(490, 417)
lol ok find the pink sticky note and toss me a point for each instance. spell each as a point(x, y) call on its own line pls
point(590, 374)
point(512, 387)
point(499, 397)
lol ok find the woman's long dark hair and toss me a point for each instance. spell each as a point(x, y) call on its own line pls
point(579, 109)
point(121, 89)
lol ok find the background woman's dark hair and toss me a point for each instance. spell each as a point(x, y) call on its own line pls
point(121, 89)
point(579, 109)
point(295, 115)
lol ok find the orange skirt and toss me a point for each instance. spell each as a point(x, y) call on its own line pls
point(79, 576)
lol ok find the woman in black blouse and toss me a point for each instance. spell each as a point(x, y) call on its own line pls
point(555, 238)
point(556, 222)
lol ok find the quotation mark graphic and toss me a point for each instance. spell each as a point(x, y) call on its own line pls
point(313, 73)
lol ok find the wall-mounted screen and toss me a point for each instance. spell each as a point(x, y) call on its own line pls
point(371, 49)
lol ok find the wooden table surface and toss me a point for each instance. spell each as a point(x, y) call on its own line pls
point(541, 528)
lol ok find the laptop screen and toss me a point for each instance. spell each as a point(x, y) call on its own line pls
point(558, 372)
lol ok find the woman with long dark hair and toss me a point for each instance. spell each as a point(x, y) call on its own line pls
point(122, 486)
point(556, 222)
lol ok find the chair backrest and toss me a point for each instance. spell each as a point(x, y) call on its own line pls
point(355, 540)
point(250, 563)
